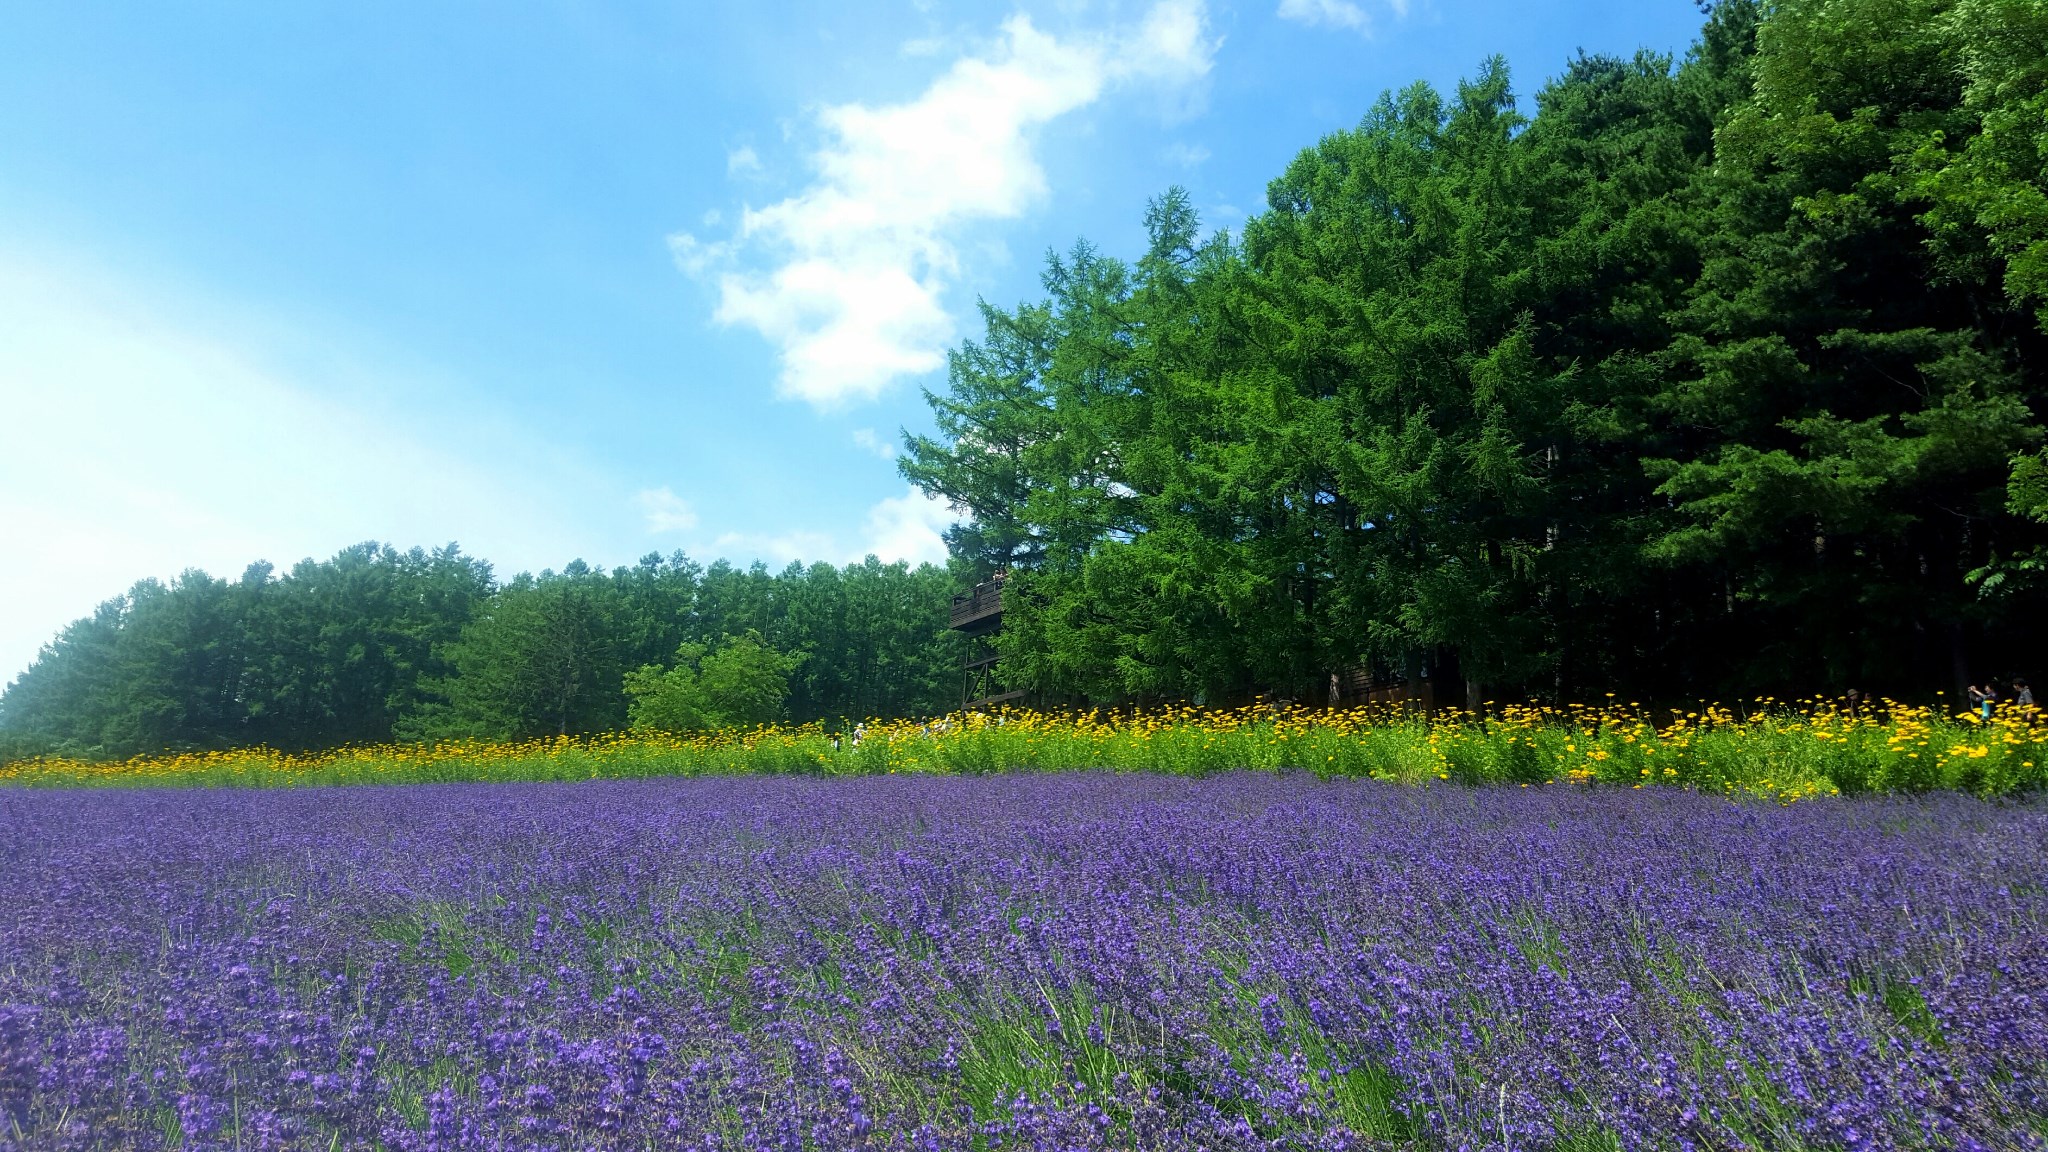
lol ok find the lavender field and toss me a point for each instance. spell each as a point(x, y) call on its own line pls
point(1055, 962)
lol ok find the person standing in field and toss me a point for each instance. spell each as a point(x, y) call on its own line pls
point(1990, 700)
point(1976, 698)
point(2022, 694)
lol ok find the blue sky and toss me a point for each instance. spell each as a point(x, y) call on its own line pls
point(589, 280)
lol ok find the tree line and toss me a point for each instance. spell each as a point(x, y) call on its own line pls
point(1695, 377)
point(1708, 376)
point(377, 644)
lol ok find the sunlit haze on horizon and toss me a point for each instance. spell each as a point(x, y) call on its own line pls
point(572, 281)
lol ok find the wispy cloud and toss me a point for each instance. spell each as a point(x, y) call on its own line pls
point(695, 256)
point(1336, 13)
point(146, 431)
point(1185, 155)
point(1339, 13)
point(868, 439)
point(742, 161)
point(664, 511)
point(777, 548)
point(906, 528)
point(858, 263)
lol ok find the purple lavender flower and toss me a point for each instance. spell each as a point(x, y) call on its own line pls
point(1043, 962)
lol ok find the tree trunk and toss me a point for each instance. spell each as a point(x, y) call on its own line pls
point(1959, 664)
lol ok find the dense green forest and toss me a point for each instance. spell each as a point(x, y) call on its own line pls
point(1687, 378)
point(377, 644)
point(1700, 377)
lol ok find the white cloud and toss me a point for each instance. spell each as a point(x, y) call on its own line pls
point(693, 255)
point(777, 549)
point(866, 438)
point(665, 511)
point(862, 257)
point(1172, 45)
point(905, 528)
point(742, 161)
point(1185, 155)
point(1336, 13)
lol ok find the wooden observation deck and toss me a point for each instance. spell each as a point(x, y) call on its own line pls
point(1362, 684)
point(981, 611)
point(979, 615)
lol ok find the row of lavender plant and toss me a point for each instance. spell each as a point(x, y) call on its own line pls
point(1093, 961)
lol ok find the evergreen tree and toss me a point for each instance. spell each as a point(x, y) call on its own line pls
point(1706, 378)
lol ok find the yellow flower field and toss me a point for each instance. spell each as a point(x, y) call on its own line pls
point(1769, 749)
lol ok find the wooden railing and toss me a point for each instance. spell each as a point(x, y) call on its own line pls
point(984, 602)
point(1358, 685)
